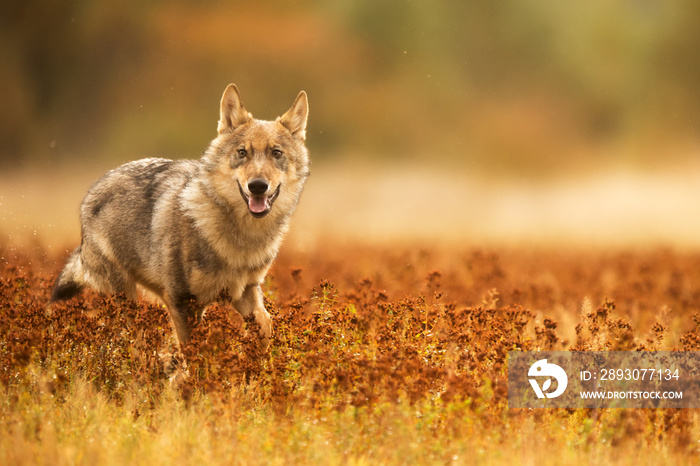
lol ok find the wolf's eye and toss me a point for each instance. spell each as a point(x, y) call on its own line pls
point(242, 152)
point(276, 153)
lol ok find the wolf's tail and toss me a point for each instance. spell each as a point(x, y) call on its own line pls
point(70, 282)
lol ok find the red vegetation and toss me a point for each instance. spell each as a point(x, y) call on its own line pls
point(359, 327)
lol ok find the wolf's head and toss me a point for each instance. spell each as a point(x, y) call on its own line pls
point(258, 166)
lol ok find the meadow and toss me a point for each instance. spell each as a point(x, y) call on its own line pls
point(487, 177)
point(380, 356)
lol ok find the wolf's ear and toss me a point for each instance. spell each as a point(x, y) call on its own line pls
point(233, 113)
point(295, 118)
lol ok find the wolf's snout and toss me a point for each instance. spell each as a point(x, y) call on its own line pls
point(257, 186)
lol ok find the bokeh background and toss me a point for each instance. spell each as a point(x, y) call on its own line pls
point(500, 121)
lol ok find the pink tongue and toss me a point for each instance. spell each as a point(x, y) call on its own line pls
point(257, 204)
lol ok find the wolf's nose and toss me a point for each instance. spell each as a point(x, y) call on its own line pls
point(257, 186)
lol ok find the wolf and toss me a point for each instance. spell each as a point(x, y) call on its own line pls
point(196, 231)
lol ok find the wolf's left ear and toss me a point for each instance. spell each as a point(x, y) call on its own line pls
point(233, 113)
point(295, 118)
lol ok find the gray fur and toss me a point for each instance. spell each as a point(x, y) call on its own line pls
point(184, 229)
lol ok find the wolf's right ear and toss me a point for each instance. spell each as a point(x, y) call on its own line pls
point(233, 113)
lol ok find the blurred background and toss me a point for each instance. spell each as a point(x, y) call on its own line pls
point(502, 121)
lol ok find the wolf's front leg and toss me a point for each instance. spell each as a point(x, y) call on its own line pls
point(184, 312)
point(251, 302)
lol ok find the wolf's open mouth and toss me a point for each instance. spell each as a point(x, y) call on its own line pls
point(259, 206)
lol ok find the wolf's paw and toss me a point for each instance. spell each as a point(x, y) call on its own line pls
point(265, 328)
point(265, 340)
point(174, 369)
point(178, 378)
point(172, 364)
point(258, 331)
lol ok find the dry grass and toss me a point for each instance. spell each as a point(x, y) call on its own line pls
point(378, 357)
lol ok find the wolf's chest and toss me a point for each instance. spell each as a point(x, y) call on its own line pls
point(232, 266)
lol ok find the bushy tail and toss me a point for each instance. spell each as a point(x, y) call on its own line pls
point(70, 281)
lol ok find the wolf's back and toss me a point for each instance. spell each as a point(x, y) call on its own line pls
point(119, 238)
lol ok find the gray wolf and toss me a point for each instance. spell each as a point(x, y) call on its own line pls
point(194, 231)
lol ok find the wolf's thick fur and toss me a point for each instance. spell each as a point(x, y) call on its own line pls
point(194, 230)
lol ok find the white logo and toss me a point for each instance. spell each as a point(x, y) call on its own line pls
point(540, 369)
